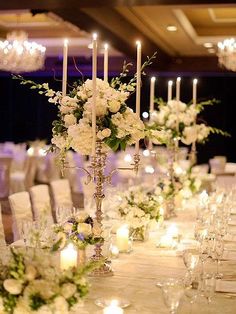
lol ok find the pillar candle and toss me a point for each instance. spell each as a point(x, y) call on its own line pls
point(194, 92)
point(64, 73)
point(138, 87)
point(178, 88)
point(169, 96)
point(105, 63)
point(68, 257)
point(94, 78)
point(122, 239)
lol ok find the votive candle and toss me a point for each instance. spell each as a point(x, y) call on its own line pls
point(122, 238)
point(68, 257)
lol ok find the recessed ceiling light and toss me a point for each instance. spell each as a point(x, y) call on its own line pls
point(208, 45)
point(211, 50)
point(171, 28)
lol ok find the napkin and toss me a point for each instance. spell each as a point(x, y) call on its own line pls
point(229, 255)
point(226, 286)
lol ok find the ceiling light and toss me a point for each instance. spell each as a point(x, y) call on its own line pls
point(171, 28)
point(211, 50)
point(227, 54)
point(208, 45)
point(17, 54)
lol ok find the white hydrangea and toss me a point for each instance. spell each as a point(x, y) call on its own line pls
point(60, 141)
point(69, 119)
point(190, 135)
point(81, 137)
point(67, 104)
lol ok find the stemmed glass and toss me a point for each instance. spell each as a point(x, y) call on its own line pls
point(218, 253)
point(208, 286)
point(25, 227)
point(192, 287)
point(172, 291)
point(191, 258)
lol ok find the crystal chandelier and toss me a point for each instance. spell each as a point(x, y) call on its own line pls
point(17, 54)
point(227, 54)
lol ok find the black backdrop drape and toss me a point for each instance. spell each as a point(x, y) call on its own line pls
point(26, 115)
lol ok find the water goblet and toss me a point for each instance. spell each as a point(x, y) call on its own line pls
point(24, 229)
point(218, 253)
point(192, 287)
point(172, 292)
point(191, 258)
point(208, 286)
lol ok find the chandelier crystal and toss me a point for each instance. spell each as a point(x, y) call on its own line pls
point(227, 54)
point(17, 54)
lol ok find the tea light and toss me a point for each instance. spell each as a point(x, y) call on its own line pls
point(122, 238)
point(68, 257)
point(166, 241)
point(114, 251)
point(173, 231)
point(113, 308)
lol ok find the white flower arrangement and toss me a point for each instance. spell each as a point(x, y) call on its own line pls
point(176, 120)
point(139, 208)
point(117, 125)
point(31, 283)
point(80, 229)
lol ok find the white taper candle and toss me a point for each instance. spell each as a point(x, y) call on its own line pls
point(94, 78)
point(138, 87)
point(64, 73)
point(169, 95)
point(152, 93)
point(195, 92)
point(178, 88)
point(105, 63)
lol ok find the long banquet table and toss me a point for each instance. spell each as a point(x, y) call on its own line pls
point(136, 275)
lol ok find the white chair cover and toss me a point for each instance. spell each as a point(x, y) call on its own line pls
point(5, 164)
point(61, 194)
point(2, 234)
point(41, 202)
point(21, 211)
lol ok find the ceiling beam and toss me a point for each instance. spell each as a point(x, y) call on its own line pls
point(73, 4)
point(114, 28)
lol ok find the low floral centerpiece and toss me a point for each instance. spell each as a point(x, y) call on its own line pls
point(31, 283)
point(80, 229)
point(140, 210)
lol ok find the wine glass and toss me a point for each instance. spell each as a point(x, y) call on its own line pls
point(191, 258)
point(24, 229)
point(208, 286)
point(218, 253)
point(172, 292)
point(192, 287)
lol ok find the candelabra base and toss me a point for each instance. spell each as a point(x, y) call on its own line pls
point(105, 270)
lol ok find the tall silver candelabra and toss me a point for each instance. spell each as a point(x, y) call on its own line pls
point(96, 173)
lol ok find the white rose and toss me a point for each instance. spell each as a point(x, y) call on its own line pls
point(84, 228)
point(189, 135)
point(81, 216)
point(106, 132)
point(68, 290)
point(12, 286)
point(99, 135)
point(30, 272)
point(45, 309)
point(114, 106)
point(69, 119)
point(60, 305)
point(67, 227)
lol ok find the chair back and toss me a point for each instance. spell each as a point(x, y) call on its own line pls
point(30, 171)
point(5, 165)
point(41, 203)
point(2, 234)
point(61, 194)
point(21, 211)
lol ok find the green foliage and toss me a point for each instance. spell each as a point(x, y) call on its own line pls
point(36, 301)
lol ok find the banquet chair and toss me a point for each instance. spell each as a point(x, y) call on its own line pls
point(2, 234)
point(21, 211)
point(61, 194)
point(23, 180)
point(5, 165)
point(41, 203)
